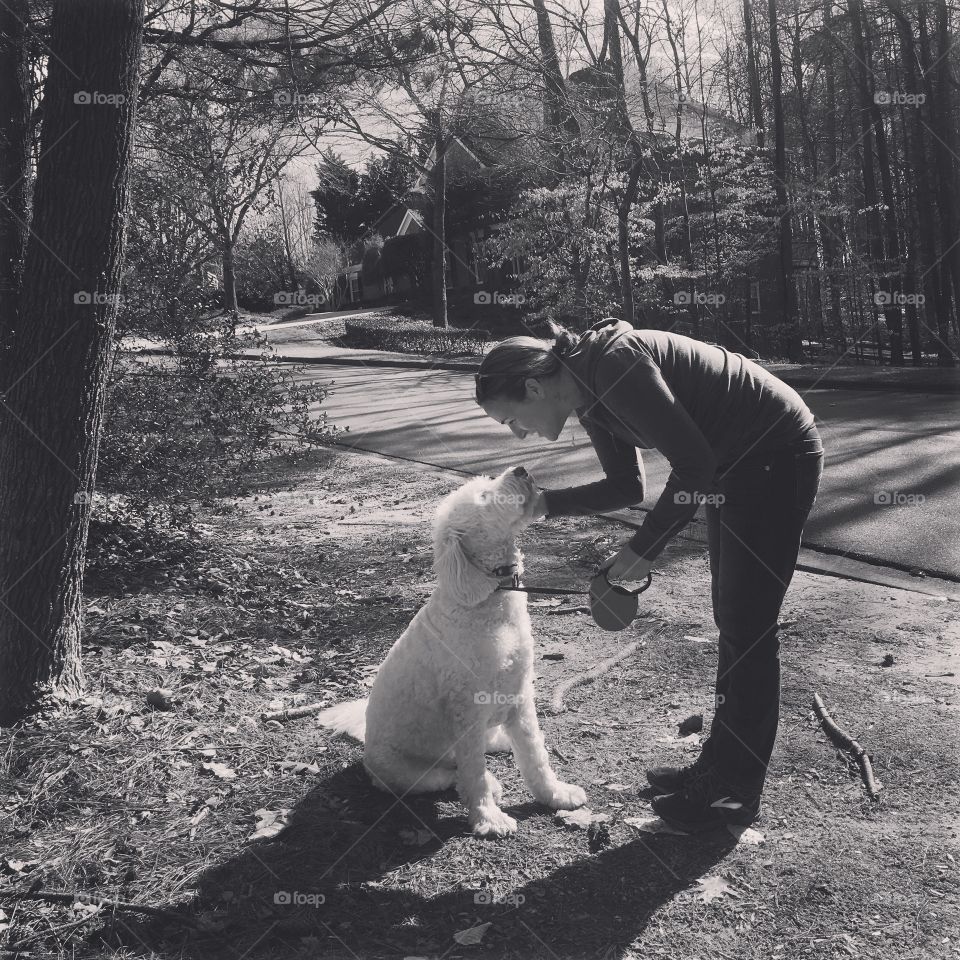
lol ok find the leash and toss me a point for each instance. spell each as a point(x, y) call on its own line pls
point(612, 607)
point(514, 584)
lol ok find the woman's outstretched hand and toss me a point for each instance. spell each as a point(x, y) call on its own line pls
point(626, 565)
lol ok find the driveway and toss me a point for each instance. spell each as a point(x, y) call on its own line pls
point(890, 487)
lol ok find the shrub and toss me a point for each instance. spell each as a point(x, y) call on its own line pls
point(411, 337)
point(193, 425)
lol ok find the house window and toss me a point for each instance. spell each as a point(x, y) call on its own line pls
point(755, 297)
point(354, 287)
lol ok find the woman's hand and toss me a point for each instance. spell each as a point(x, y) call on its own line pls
point(626, 565)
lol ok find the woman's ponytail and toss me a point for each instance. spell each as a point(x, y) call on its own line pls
point(504, 370)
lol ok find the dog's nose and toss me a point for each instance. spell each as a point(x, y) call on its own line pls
point(520, 471)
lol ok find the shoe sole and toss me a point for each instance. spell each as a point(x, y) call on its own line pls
point(704, 826)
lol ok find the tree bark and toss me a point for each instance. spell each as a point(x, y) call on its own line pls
point(915, 149)
point(870, 196)
point(559, 120)
point(14, 161)
point(229, 278)
point(753, 75)
point(831, 225)
point(794, 347)
point(945, 152)
point(55, 373)
point(438, 176)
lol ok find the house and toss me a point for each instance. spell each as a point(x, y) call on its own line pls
point(468, 276)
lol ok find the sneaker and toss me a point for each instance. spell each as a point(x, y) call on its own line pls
point(672, 779)
point(705, 803)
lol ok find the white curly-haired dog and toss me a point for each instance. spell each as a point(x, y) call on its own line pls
point(458, 683)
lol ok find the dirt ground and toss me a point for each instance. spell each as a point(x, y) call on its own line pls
point(296, 595)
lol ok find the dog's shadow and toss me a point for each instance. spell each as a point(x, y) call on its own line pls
point(340, 879)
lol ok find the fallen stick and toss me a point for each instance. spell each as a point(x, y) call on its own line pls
point(562, 689)
point(293, 713)
point(851, 746)
point(51, 896)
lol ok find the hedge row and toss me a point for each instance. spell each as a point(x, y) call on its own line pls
point(411, 337)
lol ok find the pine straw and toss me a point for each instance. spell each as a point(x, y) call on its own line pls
point(109, 797)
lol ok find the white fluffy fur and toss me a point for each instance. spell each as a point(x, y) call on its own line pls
point(458, 683)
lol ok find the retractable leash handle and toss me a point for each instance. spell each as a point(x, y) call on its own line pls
point(614, 607)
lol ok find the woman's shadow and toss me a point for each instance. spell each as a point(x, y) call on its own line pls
point(339, 881)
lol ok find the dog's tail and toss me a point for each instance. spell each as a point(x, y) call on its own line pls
point(349, 719)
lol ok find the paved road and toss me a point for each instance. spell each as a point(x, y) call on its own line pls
point(876, 441)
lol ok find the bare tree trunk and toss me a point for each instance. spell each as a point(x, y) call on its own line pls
point(559, 120)
point(870, 195)
point(894, 313)
point(794, 347)
point(659, 215)
point(915, 150)
point(831, 226)
point(756, 108)
point(945, 152)
point(55, 376)
point(229, 279)
point(438, 176)
point(14, 162)
point(287, 249)
point(635, 163)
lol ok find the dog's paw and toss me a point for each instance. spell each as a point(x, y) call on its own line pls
point(494, 823)
point(566, 796)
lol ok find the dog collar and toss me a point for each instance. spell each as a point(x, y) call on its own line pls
point(507, 574)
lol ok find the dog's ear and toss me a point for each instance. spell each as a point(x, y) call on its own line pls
point(465, 582)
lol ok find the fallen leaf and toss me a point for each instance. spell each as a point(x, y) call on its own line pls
point(472, 934)
point(713, 887)
point(616, 787)
point(220, 770)
point(651, 825)
point(270, 823)
point(747, 835)
point(298, 767)
point(579, 819)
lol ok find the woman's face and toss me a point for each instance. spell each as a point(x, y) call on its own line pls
point(539, 412)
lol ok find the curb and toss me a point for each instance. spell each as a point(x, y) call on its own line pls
point(793, 379)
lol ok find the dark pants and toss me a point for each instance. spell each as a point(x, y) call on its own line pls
point(754, 537)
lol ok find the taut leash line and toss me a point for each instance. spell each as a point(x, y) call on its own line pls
point(612, 607)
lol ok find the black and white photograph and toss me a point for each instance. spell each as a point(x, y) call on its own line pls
point(479, 480)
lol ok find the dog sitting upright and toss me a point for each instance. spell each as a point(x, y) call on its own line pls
point(458, 683)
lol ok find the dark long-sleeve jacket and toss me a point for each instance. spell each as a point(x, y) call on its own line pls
point(702, 406)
